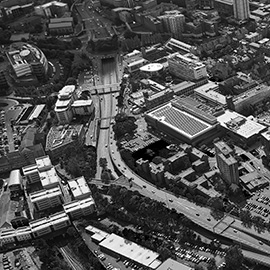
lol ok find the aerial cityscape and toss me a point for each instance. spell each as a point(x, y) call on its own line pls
point(135, 134)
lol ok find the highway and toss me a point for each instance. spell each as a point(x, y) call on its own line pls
point(108, 111)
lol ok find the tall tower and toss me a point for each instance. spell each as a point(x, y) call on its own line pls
point(173, 22)
point(241, 9)
point(227, 164)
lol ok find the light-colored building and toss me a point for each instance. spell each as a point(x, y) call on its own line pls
point(40, 227)
point(77, 209)
point(173, 22)
point(66, 96)
point(52, 9)
point(31, 173)
point(46, 199)
point(83, 107)
point(226, 162)
point(15, 181)
point(7, 236)
point(241, 9)
point(79, 188)
point(23, 234)
point(187, 67)
point(59, 221)
point(171, 264)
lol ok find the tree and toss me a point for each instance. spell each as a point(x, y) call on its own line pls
point(234, 258)
point(212, 264)
point(103, 163)
point(72, 232)
point(245, 217)
point(71, 81)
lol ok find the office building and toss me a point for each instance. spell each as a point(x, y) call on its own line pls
point(46, 199)
point(60, 137)
point(173, 22)
point(83, 107)
point(40, 227)
point(79, 188)
point(63, 109)
point(224, 7)
point(187, 67)
point(226, 163)
point(61, 26)
point(27, 60)
point(241, 9)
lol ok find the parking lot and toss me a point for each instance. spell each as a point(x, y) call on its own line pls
point(259, 204)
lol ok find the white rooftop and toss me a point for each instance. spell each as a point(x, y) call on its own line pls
point(246, 127)
point(43, 163)
point(129, 249)
point(79, 187)
point(81, 103)
point(49, 177)
point(152, 67)
point(45, 194)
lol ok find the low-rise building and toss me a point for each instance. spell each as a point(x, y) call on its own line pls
point(79, 188)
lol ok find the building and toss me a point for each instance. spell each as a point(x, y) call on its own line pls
point(23, 234)
point(187, 67)
point(27, 61)
point(15, 181)
point(175, 45)
point(136, 65)
point(52, 9)
point(66, 96)
point(82, 107)
point(182, 121)
point(60, 137)
point(40, 227)
point(61, 26)
point(224, 7)
point(79, 188)
point(265, 139)
point(46, 199)
point(7, 236)
point(97, 235)
point(241, 9)
point(171, 264)
point(253, 181)
point(59, 221)
point(226, 163)
point(243, 130)
point(120, 247)
point(81, 208)
point(158, 98)
point(173, 22)
point(152, 69)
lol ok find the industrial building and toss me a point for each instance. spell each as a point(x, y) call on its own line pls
point(120, 247)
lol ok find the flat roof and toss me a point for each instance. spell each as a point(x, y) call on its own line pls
point(152, 67)
point(49, 177)
point(129, 249)
point(98, 234)
point(78, 204)
point(239, 124)
point(208, 92)
point(181, 121)
point(45, 194)
point(81, 103)
point(36, 112)
point(43, 162)
point(171, 264)
point(14, 178)
point(266, 134)
point(60, 24)
point(79, 187)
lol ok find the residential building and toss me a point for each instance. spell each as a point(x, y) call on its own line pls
point(226, 163)
point(241, 9)
point(46, 199)
point(173, 22)
point(186, 67)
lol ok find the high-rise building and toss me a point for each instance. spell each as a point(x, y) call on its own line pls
point(241, 9)
point(227, 164)
point(173, 22)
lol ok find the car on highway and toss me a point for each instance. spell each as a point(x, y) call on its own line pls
point(170, 200)
point(153, 191)
point(144, 186)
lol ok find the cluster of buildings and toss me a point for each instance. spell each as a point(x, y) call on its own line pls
point(68, 104)
point(45, 193)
